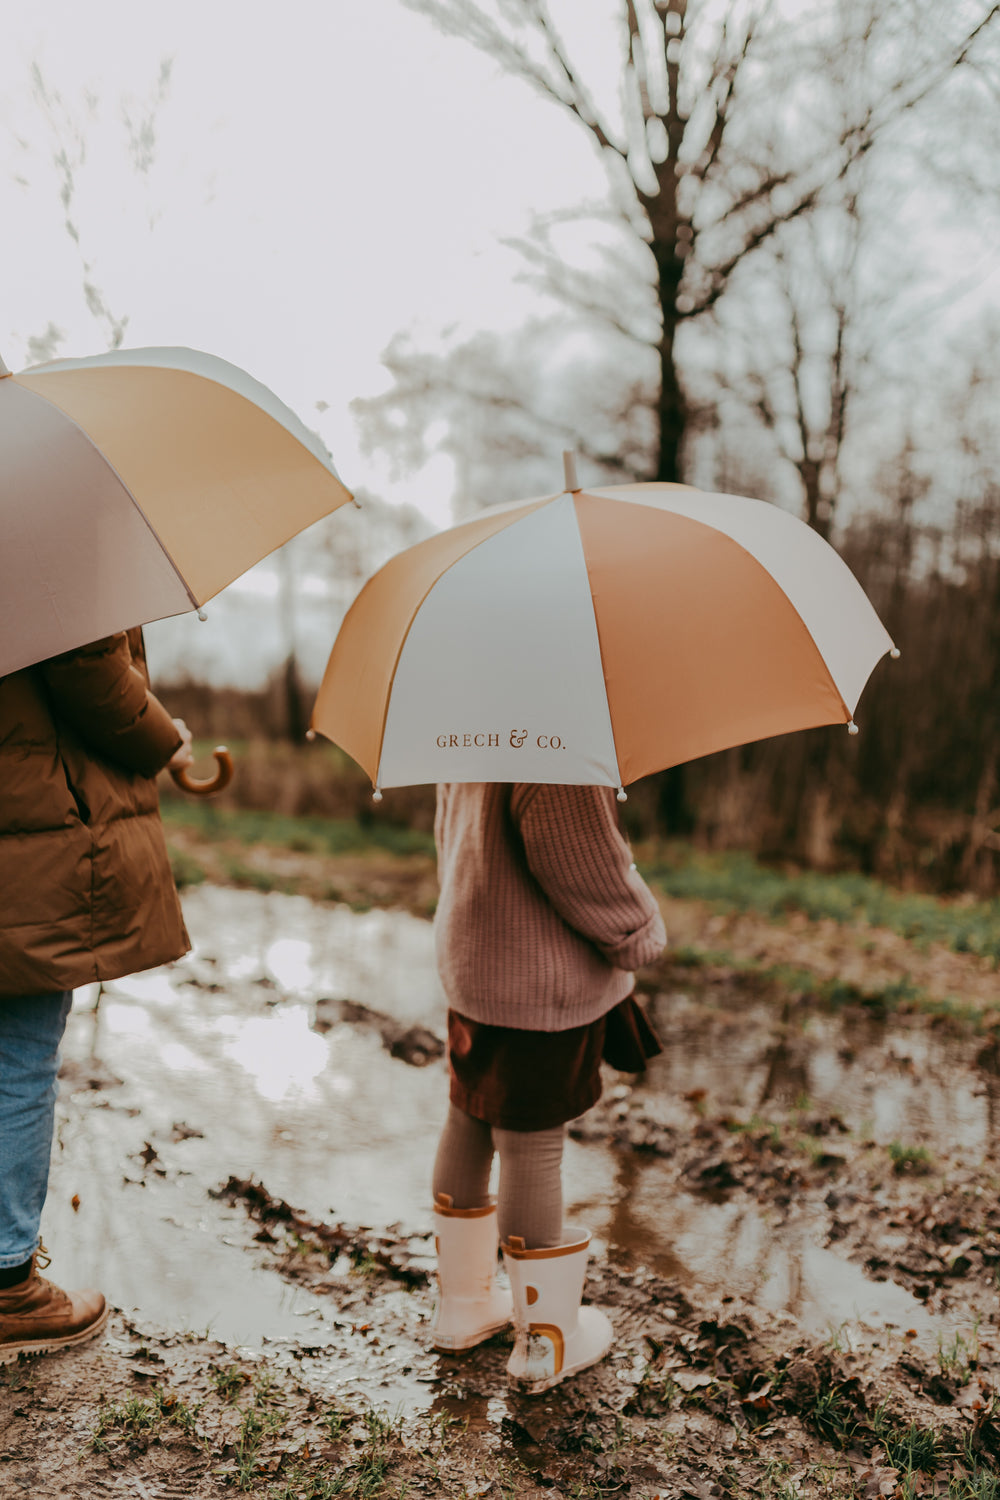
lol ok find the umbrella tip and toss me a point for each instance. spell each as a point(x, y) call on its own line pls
point(622, 794)
point(310, 735)
point(376, 795)
point(569, 470)
point(894, 653)
point(852, 728)
point(3, 368)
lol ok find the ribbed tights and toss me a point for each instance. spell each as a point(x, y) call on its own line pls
point(529, 1200)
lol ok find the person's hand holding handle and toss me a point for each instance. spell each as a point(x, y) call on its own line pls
point(183, 757)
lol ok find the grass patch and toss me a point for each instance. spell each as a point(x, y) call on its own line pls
point(135, 1422)
point(979, 1484)
point(311, 835)
point(735, 881)
point(186, 870)
point(911, 1448)
point(959, 1358)
point(790, 979)
point(249, 878)
point(229, 1381)
point(832, 1415)
point(914, 1161)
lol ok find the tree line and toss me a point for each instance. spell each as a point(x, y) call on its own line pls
point(779, 298)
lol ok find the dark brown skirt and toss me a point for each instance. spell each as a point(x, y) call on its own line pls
point(535, 1080)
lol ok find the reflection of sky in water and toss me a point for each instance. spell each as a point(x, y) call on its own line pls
point(125, 1019)
point(289, 961)
point(334, 1125)
point(786, 1270)
point(280, 1053)
point(897, 1078)
point(243, 966)
point(157, 987)
point(181, 1059)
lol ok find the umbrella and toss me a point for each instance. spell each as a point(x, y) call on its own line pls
point(137, 484)
point(595, 636)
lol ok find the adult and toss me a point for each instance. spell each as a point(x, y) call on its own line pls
point(86, 894)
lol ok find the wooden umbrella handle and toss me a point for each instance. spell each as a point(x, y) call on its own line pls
point(212, 784)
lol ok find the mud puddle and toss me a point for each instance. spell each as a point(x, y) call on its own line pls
point(299, 1046)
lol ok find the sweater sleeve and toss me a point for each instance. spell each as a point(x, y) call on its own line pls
point(584, 866)
point(102, 694)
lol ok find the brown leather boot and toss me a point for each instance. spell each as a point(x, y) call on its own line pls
point(36, 1317)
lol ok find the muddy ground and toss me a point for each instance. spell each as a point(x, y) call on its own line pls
point(796, 1223)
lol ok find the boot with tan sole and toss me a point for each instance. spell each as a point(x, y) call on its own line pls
point(554, 1336)
point(471, 1306)
point(37, 1317)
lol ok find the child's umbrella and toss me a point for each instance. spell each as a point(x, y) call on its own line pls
point(596, 636)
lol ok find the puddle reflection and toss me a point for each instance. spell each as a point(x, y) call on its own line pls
point(224, 1074)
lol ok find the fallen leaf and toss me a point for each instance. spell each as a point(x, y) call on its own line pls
point(692, 1380)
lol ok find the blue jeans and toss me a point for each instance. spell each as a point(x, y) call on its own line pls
point(31, 1028)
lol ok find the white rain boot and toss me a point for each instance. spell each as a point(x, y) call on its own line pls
point(471, 1306)
point(554, 1336)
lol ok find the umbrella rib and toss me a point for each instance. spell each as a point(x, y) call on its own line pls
point(195, 603)
point(600, 644)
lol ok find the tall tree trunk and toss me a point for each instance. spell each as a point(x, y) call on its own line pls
point(674, 814)
point(671, 411)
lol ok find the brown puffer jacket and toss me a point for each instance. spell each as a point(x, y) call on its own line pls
point(85, 886)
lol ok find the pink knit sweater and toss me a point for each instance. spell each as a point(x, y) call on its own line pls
point(542, 915)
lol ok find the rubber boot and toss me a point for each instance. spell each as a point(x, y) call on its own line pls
point(554, 1336)
point(471, 1306)
point(37, 1317)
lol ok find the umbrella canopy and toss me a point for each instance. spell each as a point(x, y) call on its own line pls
point(137, 484)
point(594, 637)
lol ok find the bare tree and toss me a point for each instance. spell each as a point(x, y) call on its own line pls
point(68, 149)
point(731, 121)
point(501, 405)
point(800, 348)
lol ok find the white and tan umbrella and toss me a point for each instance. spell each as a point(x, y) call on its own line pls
point(596, 636)
point(137, 484)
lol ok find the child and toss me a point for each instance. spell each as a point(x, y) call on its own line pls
point(542, 916)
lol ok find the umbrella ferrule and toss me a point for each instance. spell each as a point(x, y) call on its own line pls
point(622, 794)
point(569, 471)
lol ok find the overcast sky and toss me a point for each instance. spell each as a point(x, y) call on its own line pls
point(320, 175)
point(323, 174)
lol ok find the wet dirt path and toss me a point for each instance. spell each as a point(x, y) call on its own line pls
point(264, 1055)
point(795, 1219)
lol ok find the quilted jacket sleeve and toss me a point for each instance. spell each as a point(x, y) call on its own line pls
point(102, 692)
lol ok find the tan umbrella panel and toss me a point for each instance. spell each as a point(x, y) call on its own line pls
point(136, 485)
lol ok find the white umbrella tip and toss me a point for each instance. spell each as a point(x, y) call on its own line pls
point(852, 728)
point(569, 470)
point(3, 368)
point(894, 653)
